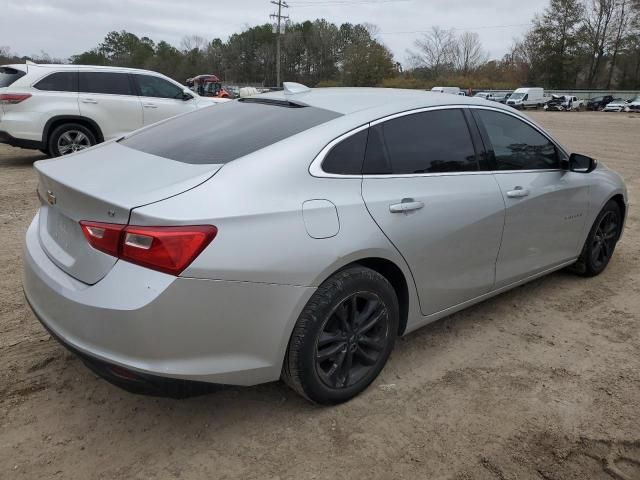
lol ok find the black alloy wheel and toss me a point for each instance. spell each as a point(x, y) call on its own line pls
point(352, 340)
point(604, 240)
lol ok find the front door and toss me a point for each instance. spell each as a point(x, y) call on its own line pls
point(161, 99)
point(545, 205)
point(423, 186)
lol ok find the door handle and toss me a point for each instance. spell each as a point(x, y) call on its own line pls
point(518, 192)
point(149, 105)
point(89, 100)
point(407, 205)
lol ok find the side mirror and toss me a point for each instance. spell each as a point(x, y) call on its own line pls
point(581, 163)
point(186, 96)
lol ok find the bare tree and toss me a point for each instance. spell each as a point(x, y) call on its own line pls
point(622, 28)
point(435, 50)
point(598, 25)
point(468, 53)
point(193, 42)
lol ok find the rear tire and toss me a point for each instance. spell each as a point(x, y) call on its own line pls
point(343, 337)
point(70, 138)
point(601, 242)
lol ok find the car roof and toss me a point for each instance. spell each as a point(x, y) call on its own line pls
point(66, 66)
point(349, 100)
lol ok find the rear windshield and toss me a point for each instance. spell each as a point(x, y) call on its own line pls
point(9, 75)
point(224, 132)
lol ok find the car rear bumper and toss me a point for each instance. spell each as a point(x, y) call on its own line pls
point(7, 138)
point(155, 325)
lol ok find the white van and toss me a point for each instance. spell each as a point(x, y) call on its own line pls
point(451, 90)
point(527, 98)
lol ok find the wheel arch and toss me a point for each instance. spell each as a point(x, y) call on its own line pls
point(619, 199)
point(58, 120)
point(396, 278)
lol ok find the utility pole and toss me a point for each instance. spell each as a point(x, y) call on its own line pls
point(278, 30)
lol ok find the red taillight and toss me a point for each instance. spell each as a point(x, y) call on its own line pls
point(103, 236)
point(167, 249)
point(13, 98)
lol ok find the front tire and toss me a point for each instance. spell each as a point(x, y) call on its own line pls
point(70, 138)
point(343, 337)
point(601, 242)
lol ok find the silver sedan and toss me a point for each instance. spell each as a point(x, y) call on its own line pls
point(297, 234)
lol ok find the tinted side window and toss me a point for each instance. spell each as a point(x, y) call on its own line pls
point(149, 86)
point(59, 82)
point(105, 82)
point(346, 157)
point(428, 142)
point(516, 145)
point(9, 75)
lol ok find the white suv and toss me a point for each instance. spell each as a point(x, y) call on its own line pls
point(60, 109)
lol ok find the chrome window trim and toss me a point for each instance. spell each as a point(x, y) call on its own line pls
point(528, 122)
point(315, 169)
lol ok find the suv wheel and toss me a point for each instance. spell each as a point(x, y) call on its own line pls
point(343, 337)
point(70, 138)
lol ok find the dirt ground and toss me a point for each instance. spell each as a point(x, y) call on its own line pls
point(542, 382)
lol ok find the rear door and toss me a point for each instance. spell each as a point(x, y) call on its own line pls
point(424, 186)
point(545, 204)
point(109, 99)
point(160, 98)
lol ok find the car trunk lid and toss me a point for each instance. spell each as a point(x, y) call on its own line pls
point(102, 184)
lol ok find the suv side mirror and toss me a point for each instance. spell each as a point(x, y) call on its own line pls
point(186, 96)
point(581, 163)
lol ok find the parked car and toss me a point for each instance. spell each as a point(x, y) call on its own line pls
point(60, 109)
point(598, 103)
point(501, 97)
point(176, 255)
point(492, 96)
point(564, 103)
point(633, 105)
point(617, 105)
point(523, 98)
point(451, 90)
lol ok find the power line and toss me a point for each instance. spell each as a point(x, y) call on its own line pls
point(280, 4)
point(324, 3)
point(483, 27)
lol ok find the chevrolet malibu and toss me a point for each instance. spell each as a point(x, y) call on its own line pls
point(297, 234)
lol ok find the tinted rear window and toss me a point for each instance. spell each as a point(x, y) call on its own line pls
point(9, 75)
point(224, 132)
point(59, 82)
point(105, 82)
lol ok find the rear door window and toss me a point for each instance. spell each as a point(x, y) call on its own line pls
point(59, 82)
point(105, 82)
point(429, 142)
point(150, 86)
point(221, 133)
point(9, 75)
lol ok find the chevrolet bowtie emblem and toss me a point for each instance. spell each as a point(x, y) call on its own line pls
point(51, 198)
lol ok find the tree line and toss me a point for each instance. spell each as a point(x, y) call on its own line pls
point(592, 44)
